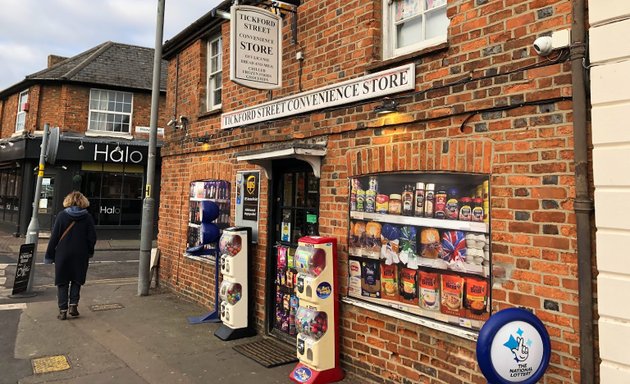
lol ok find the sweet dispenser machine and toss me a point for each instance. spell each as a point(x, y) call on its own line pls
point(317, 317)
point(234, 289)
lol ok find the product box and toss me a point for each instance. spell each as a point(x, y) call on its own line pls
point(371, 278)
point(408, 284)
point(354, 278)
point(389, 282)
point(429, 284)
point(476, 299)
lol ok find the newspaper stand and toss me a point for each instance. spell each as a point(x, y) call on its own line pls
point(317, 317)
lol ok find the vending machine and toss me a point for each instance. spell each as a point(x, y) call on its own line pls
point(235, 313)
point(317, 317)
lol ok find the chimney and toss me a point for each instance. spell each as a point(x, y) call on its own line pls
point(54, 59)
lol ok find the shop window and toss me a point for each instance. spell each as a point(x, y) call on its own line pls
point(110, 111)
point(114, 191)
point(22, 108)
point(419, 244)
point(215, 72)
point(10, 190)
point(412, 25)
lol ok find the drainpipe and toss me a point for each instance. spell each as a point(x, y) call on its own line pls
point(583, 204)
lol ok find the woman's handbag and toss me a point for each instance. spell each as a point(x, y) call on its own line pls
point(66, 231)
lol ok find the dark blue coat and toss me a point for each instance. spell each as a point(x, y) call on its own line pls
point(71, 255)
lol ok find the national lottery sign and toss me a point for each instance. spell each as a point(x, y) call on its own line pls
point(513, 347)
point(362, 88)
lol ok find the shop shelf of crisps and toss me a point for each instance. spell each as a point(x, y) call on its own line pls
point(459, 225)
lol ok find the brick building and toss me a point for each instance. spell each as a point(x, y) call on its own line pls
point(479, 115)
point(101, 100)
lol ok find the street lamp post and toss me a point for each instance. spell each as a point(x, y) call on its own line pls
point(148, 204)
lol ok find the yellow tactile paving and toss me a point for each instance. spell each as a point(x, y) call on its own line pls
point(50, 364)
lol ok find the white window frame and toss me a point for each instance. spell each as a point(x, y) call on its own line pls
point(106, 111)
point(389, 32)
point(211, 103)
point(20, 119)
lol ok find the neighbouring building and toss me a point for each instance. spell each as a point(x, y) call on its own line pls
point(100, 100)
point(494, 131)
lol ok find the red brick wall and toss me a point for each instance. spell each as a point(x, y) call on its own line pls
point(486, 103)
point(67, 106)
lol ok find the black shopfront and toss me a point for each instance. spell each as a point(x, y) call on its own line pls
point(111, 174)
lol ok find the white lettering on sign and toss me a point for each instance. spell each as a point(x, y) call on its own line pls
point(109, 210)
point(124, 155)
point(255, 48)
point(366, 87)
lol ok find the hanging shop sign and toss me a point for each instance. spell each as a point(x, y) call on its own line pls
point(366, 87)
point(513, 347)
point(247, 200)
point(255, 47)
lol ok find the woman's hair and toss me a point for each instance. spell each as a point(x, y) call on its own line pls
point(77, 199)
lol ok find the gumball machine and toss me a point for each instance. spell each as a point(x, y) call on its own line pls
point(233, 292)
point(317, 317)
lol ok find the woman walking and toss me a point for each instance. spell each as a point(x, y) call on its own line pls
point(70, 247)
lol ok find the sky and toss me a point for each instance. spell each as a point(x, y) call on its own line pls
point(30, 30)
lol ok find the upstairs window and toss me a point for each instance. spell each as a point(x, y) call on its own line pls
point(412, 25)
point(22, 108)
point(215, 74)
point(110, 111)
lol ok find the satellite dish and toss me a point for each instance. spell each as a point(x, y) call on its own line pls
point(53, 145)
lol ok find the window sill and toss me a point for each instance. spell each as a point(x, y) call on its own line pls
point(121, 135)
point(383, 64)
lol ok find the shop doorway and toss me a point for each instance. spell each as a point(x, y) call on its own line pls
point(294, 213)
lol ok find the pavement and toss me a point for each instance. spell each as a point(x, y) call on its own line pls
point(119, 337)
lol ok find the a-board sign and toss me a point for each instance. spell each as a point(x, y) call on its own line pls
point(24, 266)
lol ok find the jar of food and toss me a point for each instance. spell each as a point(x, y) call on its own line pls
point(465, 209)
point(395, 204)
point(429, 200)
point(382, 203)
point(407, 201)
point(440, 204)
point(360, 200)
point(419, 200)
point(477, 210)
point(451, 210)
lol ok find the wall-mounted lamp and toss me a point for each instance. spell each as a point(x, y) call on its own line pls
point(3, 145)
point(387, 106)
point(81, 146)
point(118, 149)
point(11, 144)
point(203, 139)
point(64, 167)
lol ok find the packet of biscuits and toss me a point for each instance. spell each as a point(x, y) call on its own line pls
point(389, 281)
point(452, 295)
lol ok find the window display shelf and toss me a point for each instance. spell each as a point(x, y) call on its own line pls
point(440, 265)
point(441, 322)
point(469, 226)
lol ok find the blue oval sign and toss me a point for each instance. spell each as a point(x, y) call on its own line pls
point(302, 374)
point(324, 290)
point(513, 347)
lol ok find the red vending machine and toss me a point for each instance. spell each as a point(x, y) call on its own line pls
point(317, 317)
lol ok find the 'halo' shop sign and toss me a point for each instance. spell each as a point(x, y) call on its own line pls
point(255, 47)
point(513, 347)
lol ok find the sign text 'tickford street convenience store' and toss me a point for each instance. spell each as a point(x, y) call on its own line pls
point(366, 87)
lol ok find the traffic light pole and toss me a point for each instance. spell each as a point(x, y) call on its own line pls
point(32, 232)
point(148, 204)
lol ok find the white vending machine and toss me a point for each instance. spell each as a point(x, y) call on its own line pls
point(235, 313)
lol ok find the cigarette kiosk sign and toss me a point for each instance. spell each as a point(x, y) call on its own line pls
point(513, 347)
point(255, 47)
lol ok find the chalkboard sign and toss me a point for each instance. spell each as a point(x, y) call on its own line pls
point(23, 270)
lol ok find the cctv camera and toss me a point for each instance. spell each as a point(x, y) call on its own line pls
point(183, 120)
point(171, 122)
point(543, 45)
